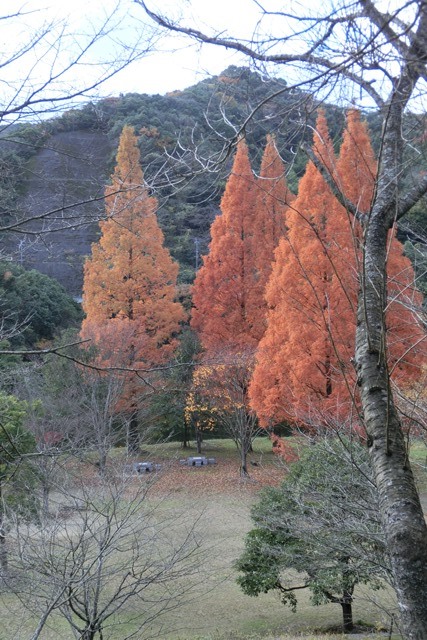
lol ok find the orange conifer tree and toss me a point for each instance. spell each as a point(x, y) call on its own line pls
point(228, 295)
point(272, 202)
point(130, 279)
point(220, 293)
point(356, 171)
point(229, 307)
point(304, 361)
point(299, 357)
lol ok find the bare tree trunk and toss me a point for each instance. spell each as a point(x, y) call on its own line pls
point(133, 435)
point(185, 439)
point(102, 463)
point(45, 499)
point(403, 521)
point(199, 440)
point(244, 448)
point(244, 463)
point(3, 550)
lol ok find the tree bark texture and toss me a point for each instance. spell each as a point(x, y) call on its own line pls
point(3, 548)
point(403, 521)
point(347, 615)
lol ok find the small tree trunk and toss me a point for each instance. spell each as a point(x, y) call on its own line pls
point(3, 550)
point(103, 461)
point(244, 462)
point(347, 613)
point(199, 440)
point(133, 435)
point(185, 439)
point(46, 494)
point(88, 634)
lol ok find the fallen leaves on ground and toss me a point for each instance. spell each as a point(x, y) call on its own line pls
point(220, 478)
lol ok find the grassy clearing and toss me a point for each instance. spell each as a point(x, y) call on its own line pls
point(217, 609)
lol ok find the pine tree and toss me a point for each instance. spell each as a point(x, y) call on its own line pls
point(130, 279)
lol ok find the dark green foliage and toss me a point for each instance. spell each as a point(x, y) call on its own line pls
point(15, 440)
point(323, 523)
point(33, 306)
point(168, 403)
point(17, 477)
point(417, 253)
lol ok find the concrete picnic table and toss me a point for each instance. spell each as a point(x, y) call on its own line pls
point(145, 467)
point(197, 461)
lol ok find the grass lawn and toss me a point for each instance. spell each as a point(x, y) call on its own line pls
point(217, 609)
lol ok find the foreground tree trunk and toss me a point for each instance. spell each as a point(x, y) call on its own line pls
point(403, 521)
point(402, 515)
point(3, 549)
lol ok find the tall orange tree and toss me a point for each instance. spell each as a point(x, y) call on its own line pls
point(300, 356)
point(229, 307)
point(130, 282)
point(304, 370)
point(273, 199)
point(220, 312)
point(356, 175)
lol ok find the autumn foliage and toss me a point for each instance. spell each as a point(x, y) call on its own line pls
point(229, 311)
point(304, 369)
point(229, 307)
point(219, 396)
point(130, 279)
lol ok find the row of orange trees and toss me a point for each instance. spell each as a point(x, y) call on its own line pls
point(274, 303)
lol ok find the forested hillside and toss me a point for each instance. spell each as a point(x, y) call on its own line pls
point(67, 160)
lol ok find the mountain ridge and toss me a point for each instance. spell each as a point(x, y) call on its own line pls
point(73, 156)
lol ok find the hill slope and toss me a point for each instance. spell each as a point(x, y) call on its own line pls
point(67, 160)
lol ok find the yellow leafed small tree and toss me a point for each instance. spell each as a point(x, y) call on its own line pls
point(219, 395)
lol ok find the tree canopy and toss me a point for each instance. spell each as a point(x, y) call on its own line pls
point(304, 370)
point(332, 549)
point(129, 282)
point(228, 292)
point(33, 306)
